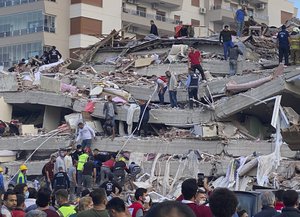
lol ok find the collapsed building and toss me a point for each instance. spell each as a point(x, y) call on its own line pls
point(244, 134)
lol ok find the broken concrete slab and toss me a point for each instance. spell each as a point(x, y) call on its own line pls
point(28, 130)
point(38, 97)
point(142, 62)
point(8, 83)
point(50, 84)
point(75, 64)
point(51, 118)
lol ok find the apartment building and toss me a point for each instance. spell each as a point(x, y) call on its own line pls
point(27, 27)
point(280, 11)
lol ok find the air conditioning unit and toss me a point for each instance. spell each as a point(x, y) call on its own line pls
point(155, 6)
point(260, 6)
point(202, 10)
point(131, 1)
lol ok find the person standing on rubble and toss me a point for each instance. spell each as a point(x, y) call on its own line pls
point(110, 112)
point(192, 84)
point(240, 18)
point(22, 178)
point(54, 55)
point(86, 134)
point(283, 43)
point(226, 40)
point(172, 87)
point(153, 28)
point(60, 162)
point(195, 60)
point(234, 53)
point(144, 117)
point(45, 58)
point(161, 88)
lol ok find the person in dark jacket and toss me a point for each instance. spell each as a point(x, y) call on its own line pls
point(61, 180)
point(283, 42)
point(234, 53)
point(153, 28)
point(54, 55)
point(226, 40)
point(268, 202)
point(45, 58)
point(192, 85)
point(291, 202)
point(144, 117)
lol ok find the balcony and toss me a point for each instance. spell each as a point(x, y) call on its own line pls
point(226, 14)
point(141, 20)
point(10, 3)
point(27, 31)
point(170, 4)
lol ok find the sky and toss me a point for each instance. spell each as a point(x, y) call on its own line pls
point(297, 4)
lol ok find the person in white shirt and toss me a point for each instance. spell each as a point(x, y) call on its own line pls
point(68, 159)
point(60, 162)
point(86, 134)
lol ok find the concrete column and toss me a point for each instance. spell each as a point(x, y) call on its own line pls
point(5, 111)
point(51, 118)
point(121, 128)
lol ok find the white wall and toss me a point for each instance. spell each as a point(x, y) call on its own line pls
point(81, 40)
point(6, 111)
point(275, 8)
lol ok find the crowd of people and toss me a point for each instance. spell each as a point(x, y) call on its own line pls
point(197, 198)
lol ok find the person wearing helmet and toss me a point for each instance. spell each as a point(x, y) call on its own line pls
point(2, 189)
point(22, 178)
point(295, 46)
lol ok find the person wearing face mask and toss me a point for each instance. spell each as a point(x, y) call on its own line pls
point(22, 189)
point(137, 209)
point(60, 162)
point(48, 171)
point(30, 197)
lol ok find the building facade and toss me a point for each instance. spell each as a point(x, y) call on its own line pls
point(27, 27)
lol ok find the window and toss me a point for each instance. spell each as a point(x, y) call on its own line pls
point(161, 16)
point(141, 11)
point(195, 22)
point(177, 19)
point(98, 3)
point(196, 3)
point(49, 23)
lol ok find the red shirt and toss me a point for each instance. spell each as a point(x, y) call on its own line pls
point(194, 57)
point(18, 213)
point(200, 211)
point(110, 164)
point(134, 208)
point(279, 206)
point(49, 167)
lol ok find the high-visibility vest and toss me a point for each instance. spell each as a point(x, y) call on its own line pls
point(82, 159)
point(66, 210)
point(22, 178)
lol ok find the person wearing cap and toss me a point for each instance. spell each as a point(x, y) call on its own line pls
point(226, 40)
point(85, 134)
point(2, 189)
point(283, 42)
point(22, 178)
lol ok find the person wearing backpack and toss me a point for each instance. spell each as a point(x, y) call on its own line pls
point(48, 171)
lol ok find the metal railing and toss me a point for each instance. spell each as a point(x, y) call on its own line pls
point(149, 16)
point(27, 31)
point(10, 3)
point(228, 8)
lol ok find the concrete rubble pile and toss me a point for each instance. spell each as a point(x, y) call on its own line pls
point(242, 121)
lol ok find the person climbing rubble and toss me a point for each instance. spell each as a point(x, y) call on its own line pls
point(21, 177)
point(85, 134)
point(240, 19)
point(192, 85)
point(195, 59)
point(172, 88)
point(161, 88)
point(283, 43)
point(225, 39)
point(234, 53)
point(54, 55)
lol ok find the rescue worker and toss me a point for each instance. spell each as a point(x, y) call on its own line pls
point(22, 178)
point(136, 209)
point(61, 180)
point(118, 171)
point(54, 55)
point(65, 209)
point(192, 85)
point(283, 42)
point(82, 159)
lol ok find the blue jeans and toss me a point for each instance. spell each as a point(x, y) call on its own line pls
point(240, 28)
point(226, 46)
point(161, 95)
point(173, 98)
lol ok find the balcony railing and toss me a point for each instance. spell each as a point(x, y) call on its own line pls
point(27, 31)
point(149, 16)
point(228, 8)
point(9, 3)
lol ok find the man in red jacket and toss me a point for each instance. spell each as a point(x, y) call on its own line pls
point(195, 60)
point(137, 209)
point(189, 190)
